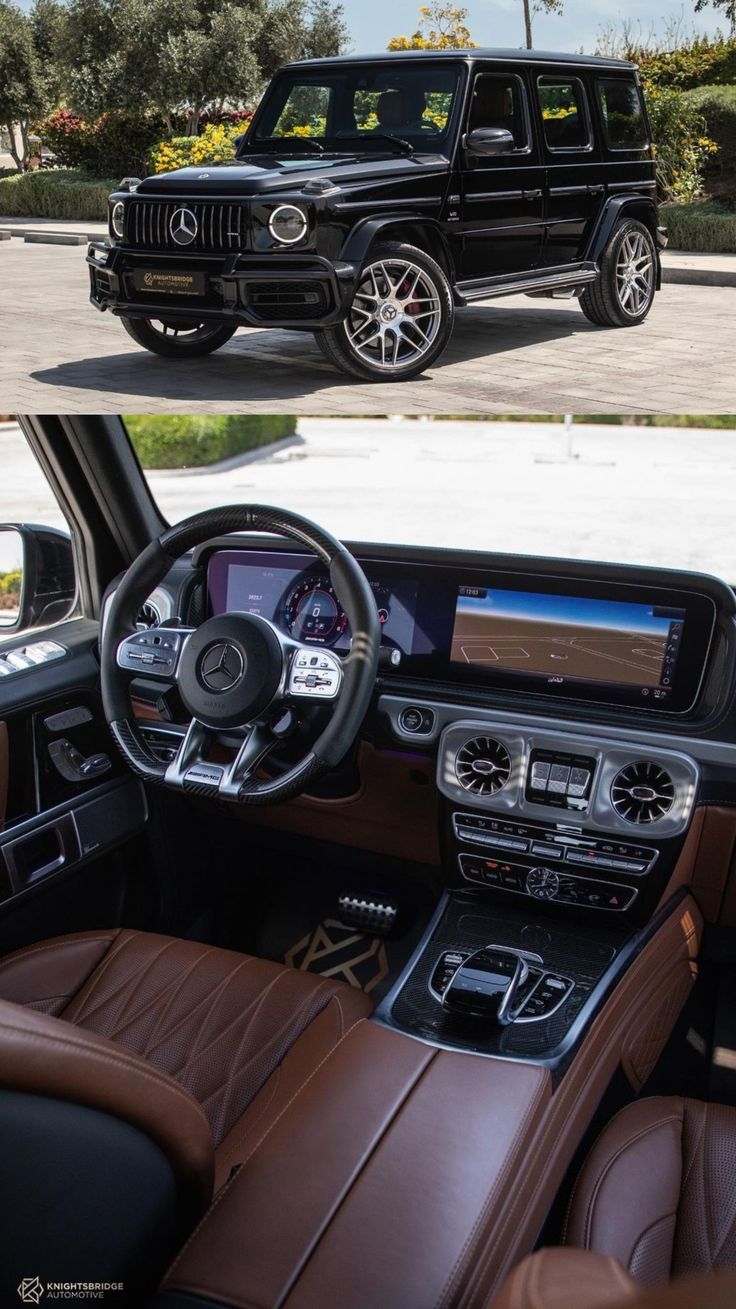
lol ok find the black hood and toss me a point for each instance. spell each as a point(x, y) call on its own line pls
point(259, 174)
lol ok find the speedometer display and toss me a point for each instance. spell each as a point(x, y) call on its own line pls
point(312, 612)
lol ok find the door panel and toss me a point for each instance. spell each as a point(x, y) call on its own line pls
point(575, 176)
point(502, 198)
point(57, 818)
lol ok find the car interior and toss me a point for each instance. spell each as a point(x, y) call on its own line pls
point(367, 913)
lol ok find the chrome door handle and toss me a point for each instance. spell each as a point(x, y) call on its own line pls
point(532, 195)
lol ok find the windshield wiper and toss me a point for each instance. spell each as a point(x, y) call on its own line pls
point(406, 146)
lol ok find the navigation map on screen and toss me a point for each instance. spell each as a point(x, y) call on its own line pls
point(570, 637)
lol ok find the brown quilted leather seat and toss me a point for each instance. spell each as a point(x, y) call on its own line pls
point(241, 1035)
point(658, 1190)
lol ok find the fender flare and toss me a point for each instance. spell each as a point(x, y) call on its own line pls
point(363, 235)
point(613, 210)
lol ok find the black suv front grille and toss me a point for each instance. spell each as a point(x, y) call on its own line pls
point(218, 228)
point(276, 302)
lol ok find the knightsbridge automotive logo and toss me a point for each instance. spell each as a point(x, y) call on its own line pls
point(31, 1289)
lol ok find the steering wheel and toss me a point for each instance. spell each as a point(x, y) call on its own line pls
point(237, 672)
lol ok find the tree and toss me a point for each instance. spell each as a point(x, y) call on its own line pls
point(21, 85)
point(441, 27)
point(539, 7)
point(326, 32)
point(728, 7)
point(47, 23)
point(176, 56)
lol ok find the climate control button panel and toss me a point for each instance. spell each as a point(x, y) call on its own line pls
point(554, 846)
point(542, 883)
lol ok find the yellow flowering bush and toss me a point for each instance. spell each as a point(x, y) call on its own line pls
point(681, 143)
point(215, 146)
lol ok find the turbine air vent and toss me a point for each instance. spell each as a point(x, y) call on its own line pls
point(148, 617)
point(483, 765)
point(642, 792)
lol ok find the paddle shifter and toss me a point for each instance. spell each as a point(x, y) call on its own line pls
point(491, 984)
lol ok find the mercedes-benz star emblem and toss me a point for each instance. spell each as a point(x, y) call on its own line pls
point(183, 226)
point(222, 667)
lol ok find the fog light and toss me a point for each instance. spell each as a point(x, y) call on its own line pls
point(288, 224)
point(117, 219)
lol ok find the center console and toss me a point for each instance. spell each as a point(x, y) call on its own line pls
point(402, 1173)
point(557, 848)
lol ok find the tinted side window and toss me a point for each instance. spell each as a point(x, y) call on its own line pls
point(498, 101)
point(623, 120)
point(564, 113)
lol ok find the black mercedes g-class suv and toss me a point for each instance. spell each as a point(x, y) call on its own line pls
point(372, 196)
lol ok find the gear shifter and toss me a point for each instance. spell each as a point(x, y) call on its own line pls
point(490, 984)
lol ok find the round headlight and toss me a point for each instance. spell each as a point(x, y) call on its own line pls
point(288, 224)
point(117, 219)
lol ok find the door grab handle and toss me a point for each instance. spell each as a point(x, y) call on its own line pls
point(596, 190)
point(532, 195)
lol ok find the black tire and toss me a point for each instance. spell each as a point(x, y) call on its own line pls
point(182, 340)
point(602, 302)
point(344, 345)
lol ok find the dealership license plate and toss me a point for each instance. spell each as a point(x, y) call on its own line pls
point(169, 283)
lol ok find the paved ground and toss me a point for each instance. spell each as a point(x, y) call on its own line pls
point(658, 496)
point(518, 355)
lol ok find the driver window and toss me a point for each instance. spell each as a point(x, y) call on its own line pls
point(498, 101)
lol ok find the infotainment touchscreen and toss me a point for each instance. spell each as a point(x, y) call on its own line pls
point(565, 640)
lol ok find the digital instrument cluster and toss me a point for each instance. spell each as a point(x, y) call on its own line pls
point(295, 593)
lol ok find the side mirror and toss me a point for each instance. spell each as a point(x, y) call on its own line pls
point(37, 579)
point(238, 141)
point(489, 141)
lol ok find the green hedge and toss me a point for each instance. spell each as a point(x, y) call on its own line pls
point(717, 104)
point(704, 225)
point(50, 193)
point(694, 63)
point(185, 441)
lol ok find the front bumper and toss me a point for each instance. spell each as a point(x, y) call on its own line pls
point(279, 290)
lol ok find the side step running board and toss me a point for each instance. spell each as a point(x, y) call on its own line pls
point(580, 276)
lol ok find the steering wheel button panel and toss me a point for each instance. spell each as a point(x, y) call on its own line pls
point(316, 676)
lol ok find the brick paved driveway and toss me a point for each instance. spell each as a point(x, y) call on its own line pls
point(58, 354)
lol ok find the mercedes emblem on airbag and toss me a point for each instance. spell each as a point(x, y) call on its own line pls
point(222, 666)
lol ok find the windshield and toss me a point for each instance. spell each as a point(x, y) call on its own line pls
point(657, 496)
point(359, 106)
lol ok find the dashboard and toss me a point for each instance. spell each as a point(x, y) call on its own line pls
point(568, 637)
point(574, 715)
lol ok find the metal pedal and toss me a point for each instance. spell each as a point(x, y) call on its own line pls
point(374, 915)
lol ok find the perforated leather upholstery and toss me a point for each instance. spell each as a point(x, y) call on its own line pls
point(658, 1190)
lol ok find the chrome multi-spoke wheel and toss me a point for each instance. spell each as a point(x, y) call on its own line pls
point(635, 273)
point(399, 319)
point(178, 338)
point(395, 315)
point(623, 293)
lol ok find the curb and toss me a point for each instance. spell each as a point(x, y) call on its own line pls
point(54, 238)
point(44, 235)
point(699, 276)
